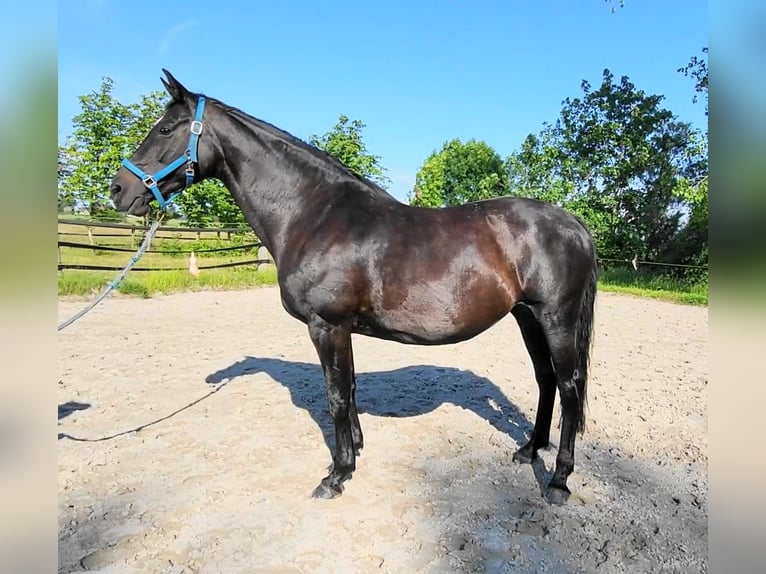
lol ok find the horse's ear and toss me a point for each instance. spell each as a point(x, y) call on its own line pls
point(176, 90)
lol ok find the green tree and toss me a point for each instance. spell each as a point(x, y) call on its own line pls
point(430, 182)
point(693, 189)
point(458, 173)
point(690, 245)
point(64, 170)
point(97, 145)
point(345, 143)
point(697, 69)
point(143, 115)
point(617, 158)
point(207, 203)
point(540, 169)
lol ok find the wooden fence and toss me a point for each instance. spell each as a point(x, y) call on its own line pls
point(114, 238)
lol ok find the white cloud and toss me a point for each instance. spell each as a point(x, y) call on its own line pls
point(172, 34)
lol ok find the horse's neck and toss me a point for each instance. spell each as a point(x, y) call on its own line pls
point(268, 192)
point(277, 182)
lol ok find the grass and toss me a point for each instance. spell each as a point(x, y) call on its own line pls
point(664, 287)
point(146, 284)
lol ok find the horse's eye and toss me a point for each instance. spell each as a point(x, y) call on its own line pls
point(165, 130)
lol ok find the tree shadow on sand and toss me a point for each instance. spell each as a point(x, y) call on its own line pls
point(404, 392)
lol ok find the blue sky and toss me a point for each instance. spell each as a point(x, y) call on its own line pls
point(418, 73)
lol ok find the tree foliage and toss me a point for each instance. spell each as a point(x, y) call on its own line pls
point(697, 69)
point(540, 169)
point(458, 173)
point(208, 203)
point(66, 198)
point(101, 138)
point(345, 143)
point(622, 162)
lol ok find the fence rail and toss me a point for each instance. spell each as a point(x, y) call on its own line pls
point(132, 234)
point(87, 267)
point(178, 235)
point(75, 245)
point(134, 227)
point(636, 262)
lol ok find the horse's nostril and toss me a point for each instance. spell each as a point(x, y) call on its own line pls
point(115, 189)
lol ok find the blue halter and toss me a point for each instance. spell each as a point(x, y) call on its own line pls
point(189, 158)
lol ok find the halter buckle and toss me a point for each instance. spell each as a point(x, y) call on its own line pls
point(196, 127)
point(149, 181)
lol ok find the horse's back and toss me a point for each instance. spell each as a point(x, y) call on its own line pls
point(437, 275)
point(519, 234)
point(510, 236)
point(431, 276)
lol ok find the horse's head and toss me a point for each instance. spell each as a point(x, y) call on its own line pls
point(172, 156)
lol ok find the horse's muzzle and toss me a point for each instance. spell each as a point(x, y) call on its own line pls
point(126, 201)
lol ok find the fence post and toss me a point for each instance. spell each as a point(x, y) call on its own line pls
point(263, 254)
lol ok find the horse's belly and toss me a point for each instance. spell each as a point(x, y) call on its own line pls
point(437, 314)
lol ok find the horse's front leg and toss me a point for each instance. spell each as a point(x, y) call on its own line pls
point(333, 344)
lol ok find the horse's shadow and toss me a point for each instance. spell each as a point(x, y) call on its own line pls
point(70, 407)
point(405, 392)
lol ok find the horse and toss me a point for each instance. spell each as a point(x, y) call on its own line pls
point(351, 258)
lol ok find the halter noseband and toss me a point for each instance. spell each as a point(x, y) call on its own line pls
point(189, 158)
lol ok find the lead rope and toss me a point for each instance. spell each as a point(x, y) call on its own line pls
point(117, 280)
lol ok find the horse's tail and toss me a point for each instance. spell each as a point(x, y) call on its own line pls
point(584, 341)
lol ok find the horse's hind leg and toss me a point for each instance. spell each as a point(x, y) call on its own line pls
point(333, 344)
point(356, 428)
point(560, 331)
point(537, 346)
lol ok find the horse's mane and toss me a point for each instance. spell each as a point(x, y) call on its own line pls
point(322, 156)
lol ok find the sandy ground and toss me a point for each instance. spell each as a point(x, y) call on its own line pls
point(226, 393)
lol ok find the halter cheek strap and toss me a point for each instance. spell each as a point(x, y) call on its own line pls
point(189, 157)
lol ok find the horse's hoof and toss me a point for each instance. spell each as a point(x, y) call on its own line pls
point(326, 492)
point(523, 456)
point(557, 496)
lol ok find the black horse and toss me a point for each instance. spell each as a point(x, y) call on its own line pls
point(352, 259)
